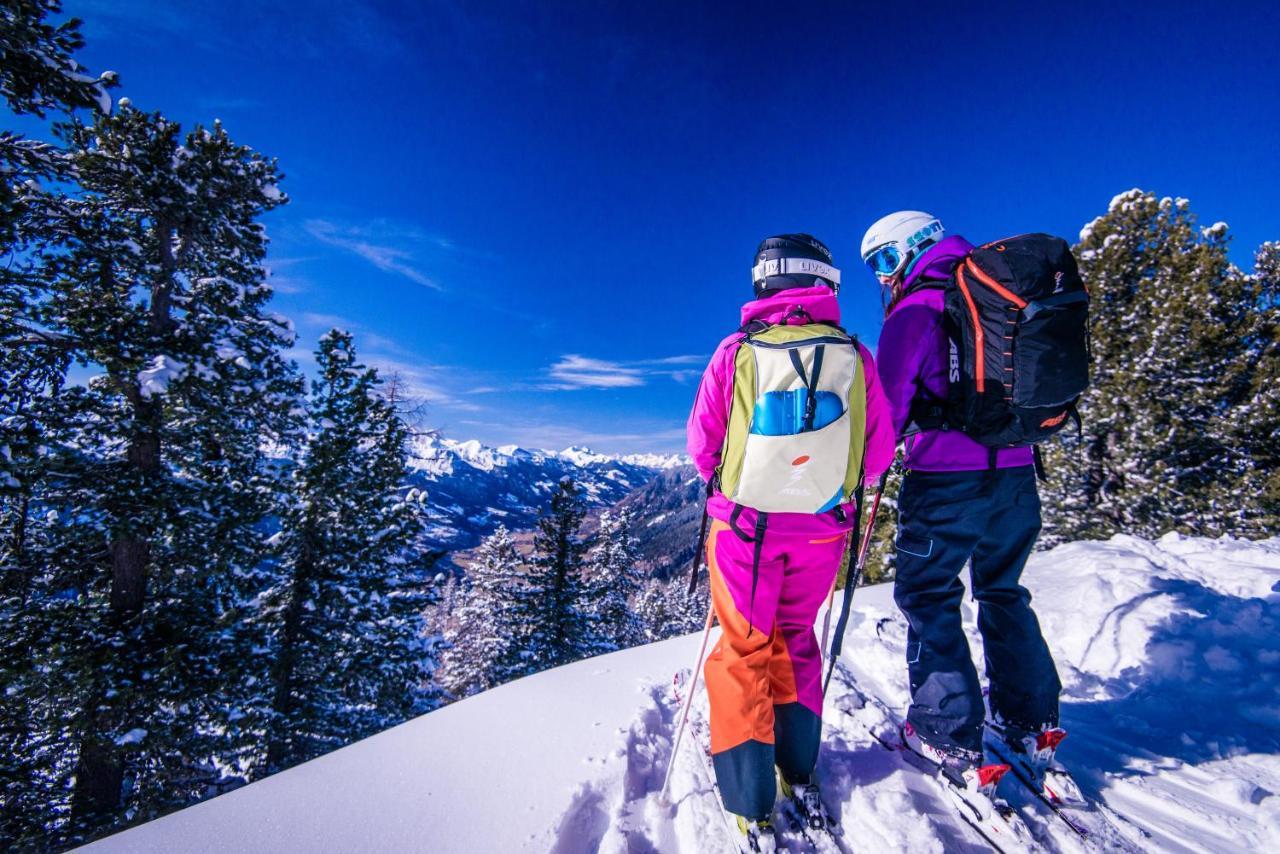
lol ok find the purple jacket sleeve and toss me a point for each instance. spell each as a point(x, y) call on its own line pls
point(905, 342)
point(881, 437)
point(710, 416)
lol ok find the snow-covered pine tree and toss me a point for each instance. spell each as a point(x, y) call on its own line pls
point(551, 600)
point(346, 618)
point(149, 270)
point(38, 76)
point(487, 633)
point(1253, 410)
point(612, 585)
point(665, 608)
point(1170, 321)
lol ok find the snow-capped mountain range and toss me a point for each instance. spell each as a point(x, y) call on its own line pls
point(471, 488)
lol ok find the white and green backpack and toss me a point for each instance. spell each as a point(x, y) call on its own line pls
point(796, 424)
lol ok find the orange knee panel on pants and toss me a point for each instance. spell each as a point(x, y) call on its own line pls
point(750, 669)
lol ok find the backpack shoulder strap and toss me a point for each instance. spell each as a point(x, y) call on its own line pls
point(927, 285)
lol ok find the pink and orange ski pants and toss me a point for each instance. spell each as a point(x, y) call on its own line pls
point(764, 676)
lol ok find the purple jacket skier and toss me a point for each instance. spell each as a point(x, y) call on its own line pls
point(960, 501)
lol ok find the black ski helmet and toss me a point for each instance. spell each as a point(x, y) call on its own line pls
point(792, 261)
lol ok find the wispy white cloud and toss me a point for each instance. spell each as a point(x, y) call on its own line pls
point(283, 282)
point(366, 242)
point(315, 318)
point(420, 377)
point(573, 371)
point(366, 338)
point(690, 359)
point(287, 284)
point(420, 381)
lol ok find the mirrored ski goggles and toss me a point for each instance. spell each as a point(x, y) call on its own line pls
point(886, 260)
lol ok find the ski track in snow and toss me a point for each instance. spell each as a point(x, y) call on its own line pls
point(1170, 658)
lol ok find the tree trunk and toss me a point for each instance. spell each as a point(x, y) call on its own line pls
point(280, 745)
point(96, 798)
point(16, 581)
point(18, 778)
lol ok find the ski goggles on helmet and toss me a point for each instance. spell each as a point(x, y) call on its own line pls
point(886, 261)
point(795, 267)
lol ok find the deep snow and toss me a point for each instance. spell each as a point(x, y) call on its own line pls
point(1169, 653)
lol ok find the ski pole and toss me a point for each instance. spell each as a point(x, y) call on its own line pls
point(826, 618)
point(851, 582)
point(688, 701)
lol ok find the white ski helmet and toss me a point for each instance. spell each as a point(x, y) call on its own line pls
point(894, 241)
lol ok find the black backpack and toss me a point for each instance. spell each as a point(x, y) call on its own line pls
point(1017, 314)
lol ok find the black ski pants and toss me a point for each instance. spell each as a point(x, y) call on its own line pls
point(991, 519)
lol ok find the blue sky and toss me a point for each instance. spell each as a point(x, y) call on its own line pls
point(544, 214)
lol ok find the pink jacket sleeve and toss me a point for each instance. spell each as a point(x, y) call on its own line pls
point(881, 439)
point(710, 416)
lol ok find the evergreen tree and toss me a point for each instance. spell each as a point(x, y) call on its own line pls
point(486, 632)
point(131, 502)
point(194, 381)
point(148, 484)
point(350, 654)
point(1253, 410)
point(665, 609)
point(38, 76)
point(1172, 323)
point(555, 590)
point(612, 584)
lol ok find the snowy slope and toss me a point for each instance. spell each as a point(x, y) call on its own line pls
point(1169, 653)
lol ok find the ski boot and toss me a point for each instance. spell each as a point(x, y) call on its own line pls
point(971, 782)
point(756, 837)
point(1033, 757)
point(807, 800)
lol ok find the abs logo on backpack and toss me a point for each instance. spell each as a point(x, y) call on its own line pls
point(796, 483)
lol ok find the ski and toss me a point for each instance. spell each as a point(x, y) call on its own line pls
point(1003, 829)
point(797, 825)
point(1048, 795)
point(827, 839)
point(797, 835)
point(679, 682)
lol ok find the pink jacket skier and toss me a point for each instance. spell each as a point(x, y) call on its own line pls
point(767, 584)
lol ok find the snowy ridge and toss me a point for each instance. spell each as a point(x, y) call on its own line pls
point(1169, 653)
point(471, 488)
point(428, 451)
